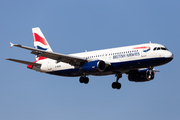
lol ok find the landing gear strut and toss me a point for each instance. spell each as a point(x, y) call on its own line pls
point(150, 74)
point(84, 79)
point(117, 85)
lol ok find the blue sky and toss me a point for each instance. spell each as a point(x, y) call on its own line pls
point(75, 26)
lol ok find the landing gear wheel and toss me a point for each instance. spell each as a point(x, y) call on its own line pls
point(116, 85)
point(84, 80)
point(81, 79)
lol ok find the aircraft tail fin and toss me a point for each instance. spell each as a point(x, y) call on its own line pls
point(40, 41)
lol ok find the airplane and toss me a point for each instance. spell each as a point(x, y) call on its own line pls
point(137, 61)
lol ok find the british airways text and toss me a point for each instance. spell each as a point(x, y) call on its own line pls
point(126, 55)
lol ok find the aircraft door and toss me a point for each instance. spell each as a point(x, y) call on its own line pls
point(143, 54)
point(49, 66)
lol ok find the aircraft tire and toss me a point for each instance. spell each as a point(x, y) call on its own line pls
point(116, 85)
point(86, 80)
point(81, 79)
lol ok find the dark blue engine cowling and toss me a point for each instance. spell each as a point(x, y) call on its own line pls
point(93, 66)
point(141, 76)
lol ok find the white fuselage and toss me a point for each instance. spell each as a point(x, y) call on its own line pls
point(110, 56)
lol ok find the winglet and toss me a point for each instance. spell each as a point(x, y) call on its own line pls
point(11, 45)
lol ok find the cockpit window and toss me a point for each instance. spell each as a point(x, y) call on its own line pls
point(160, 48)
point(163, 48)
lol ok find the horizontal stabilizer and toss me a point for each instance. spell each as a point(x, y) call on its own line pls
point(24, 62)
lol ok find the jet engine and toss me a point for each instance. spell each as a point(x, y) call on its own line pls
point(93, 66)
point(141, 75)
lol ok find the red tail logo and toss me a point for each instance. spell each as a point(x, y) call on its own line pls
point(38, 38)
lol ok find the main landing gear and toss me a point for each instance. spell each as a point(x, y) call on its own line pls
point(84, 79)
point(117, 85)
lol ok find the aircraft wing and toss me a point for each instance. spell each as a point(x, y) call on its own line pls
point(24, 62)
point(73, 60)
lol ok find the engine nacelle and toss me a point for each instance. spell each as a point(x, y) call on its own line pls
point(141, 76)
point(93, 66)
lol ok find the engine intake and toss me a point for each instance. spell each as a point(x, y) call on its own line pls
point(141, 76)
point(93, 66)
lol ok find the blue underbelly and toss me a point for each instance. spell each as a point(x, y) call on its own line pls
point(114, 67)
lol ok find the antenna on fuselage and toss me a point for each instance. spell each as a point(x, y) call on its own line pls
point(150, 42)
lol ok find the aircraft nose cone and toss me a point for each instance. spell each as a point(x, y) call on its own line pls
point(169, 55)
